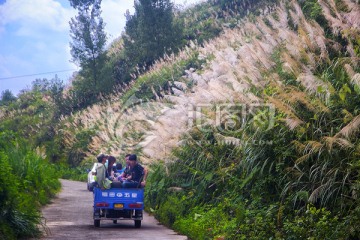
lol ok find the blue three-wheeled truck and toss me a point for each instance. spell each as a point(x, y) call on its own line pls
point(118, 204)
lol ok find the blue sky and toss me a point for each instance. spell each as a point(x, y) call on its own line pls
point(34, 38)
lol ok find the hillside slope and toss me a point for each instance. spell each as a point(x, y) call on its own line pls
point(242, 59)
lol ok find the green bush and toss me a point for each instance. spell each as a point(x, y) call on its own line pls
point(28, 181)
point(228, 220)
point(206, 222)
point(73, 173)
point(171, 209)
point(315, 224)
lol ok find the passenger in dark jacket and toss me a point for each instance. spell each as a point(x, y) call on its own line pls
point(136, 174)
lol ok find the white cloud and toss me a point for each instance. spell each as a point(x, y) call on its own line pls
point(33, 17)
point(113, 14)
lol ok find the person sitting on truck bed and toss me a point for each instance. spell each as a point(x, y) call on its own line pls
point(117, 169)
point(136, 174)
point(110, 173)
point(126, 170)
point(101, 179)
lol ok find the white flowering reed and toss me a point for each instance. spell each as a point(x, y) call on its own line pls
point(241, 58)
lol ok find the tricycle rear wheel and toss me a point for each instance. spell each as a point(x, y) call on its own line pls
point(97, 223)
point(137, 223)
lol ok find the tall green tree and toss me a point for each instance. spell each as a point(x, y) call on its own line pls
point(151, 32)
point(7, 97)
point(88, 39)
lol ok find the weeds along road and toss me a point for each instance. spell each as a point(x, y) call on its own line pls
point(70, 216)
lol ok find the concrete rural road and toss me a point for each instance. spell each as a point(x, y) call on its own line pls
point(69, 216)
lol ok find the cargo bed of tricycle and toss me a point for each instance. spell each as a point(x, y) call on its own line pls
point(118, 204)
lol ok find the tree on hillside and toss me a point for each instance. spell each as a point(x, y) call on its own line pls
point(81, 3)
point(62, 105)
point(41, 85)
point(7, 97)
point(88, 39)
point(151, 32)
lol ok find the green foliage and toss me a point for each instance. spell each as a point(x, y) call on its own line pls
point(82, 94)
point(312, 9)
point(315, 224)
point(87, 33)
point(7, 194)
point(151, 32)
point(207, 20)
point(162, 80)
point(229, 219)
point(239, 7)
point(199, 24)
point(289, 79)
point(222, 178)
point(156, 185)
point(36, 114)
point(28, 181)
point(76, 150)
point(81, 3)
point(234, 192)
point(87, 50)
point(207, 222)
point(322, 165)
point(352, 221)
point(169, 213)
point(62, 106)
point(74, 173)
point(7, 97)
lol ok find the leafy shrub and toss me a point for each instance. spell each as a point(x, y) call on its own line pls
point(206, 222)
point(315, 224)
point(171, 209)
point(73, 173)
point(228, 220)
point(27, 182)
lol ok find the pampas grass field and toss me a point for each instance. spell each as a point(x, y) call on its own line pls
point(237, 62)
